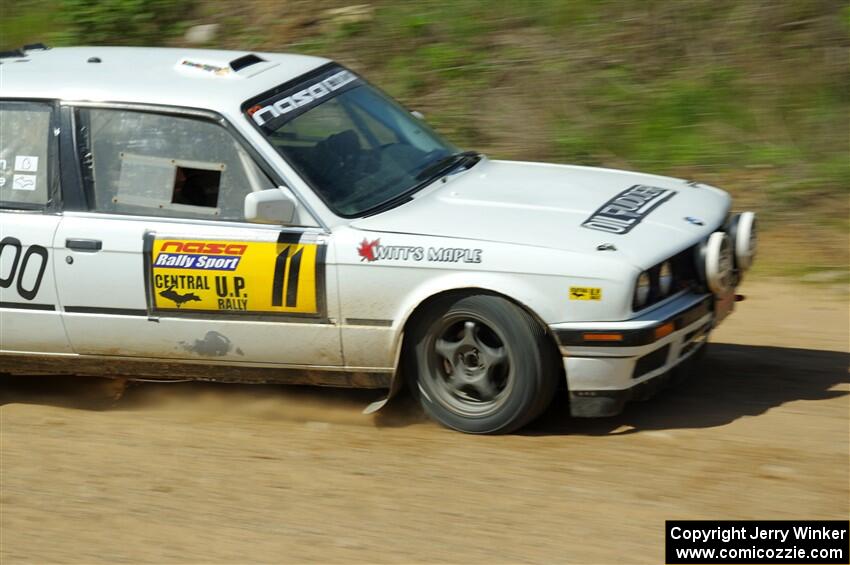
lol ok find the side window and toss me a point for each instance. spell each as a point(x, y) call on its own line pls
point(27, 144)
point(163, 165)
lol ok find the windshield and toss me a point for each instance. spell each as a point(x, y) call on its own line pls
point(360, 150)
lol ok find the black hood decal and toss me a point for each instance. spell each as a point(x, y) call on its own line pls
point(627, 209)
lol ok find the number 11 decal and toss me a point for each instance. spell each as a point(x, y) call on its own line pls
point(290, 284)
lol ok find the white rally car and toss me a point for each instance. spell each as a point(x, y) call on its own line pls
point(258, 217)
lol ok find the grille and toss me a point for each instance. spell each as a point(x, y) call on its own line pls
point(685, 276)
point(685, 273)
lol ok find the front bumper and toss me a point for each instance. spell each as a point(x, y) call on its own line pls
point(604, 374)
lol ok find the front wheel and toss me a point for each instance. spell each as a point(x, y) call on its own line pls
point(481, 364)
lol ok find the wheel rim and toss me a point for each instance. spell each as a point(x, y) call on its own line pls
point(469, 365)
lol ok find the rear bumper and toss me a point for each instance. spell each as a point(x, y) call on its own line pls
point(602, 376)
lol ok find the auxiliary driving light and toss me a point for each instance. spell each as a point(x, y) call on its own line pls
point(744, 234)
point(719, 263)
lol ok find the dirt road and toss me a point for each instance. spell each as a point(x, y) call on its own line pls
point(192, 473)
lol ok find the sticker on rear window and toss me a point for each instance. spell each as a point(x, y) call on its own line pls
point(25, 163)
point(24, 182)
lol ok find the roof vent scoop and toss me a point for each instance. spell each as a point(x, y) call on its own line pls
point(245, 61)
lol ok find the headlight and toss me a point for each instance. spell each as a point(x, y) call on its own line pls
point(665, 278)
point(644, 283)
point(719, 268)
point(745, 239)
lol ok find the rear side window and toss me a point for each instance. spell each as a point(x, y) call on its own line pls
point(27, 143)
point(164, 165)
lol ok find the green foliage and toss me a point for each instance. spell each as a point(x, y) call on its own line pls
point(26, 22)
point(576, 147)
point(443, 58)
point(415, 25)
point(753, 94)
point(120, 22)
point(565, 15)
point(404, 80)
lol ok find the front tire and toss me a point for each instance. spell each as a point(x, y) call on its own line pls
point(481, 364)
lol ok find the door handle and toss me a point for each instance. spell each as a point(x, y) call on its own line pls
point(87, 245)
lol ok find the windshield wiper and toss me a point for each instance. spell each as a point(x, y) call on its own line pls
point(425, 177)
point(447, 163)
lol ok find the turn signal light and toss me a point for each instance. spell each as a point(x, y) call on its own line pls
point(603, 337)
point(664, 330)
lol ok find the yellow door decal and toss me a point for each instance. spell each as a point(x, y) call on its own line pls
point(233, 277)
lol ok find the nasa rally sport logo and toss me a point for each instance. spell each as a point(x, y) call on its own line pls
point(626, 210)
point(200, 255)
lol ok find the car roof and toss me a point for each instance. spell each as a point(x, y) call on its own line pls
point(196, 78)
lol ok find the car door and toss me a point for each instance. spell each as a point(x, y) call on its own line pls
point(30, 320)
point(163, 265)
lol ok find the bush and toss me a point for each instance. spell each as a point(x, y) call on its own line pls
point(120, 22)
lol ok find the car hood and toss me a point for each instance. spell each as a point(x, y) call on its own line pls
point(645, 217)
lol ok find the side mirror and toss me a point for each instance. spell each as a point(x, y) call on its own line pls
point(418, 115)
point(271, 206)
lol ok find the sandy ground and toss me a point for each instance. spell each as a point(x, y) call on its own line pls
point(197, 473)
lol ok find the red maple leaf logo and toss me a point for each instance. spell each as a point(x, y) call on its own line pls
point(367, 249)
